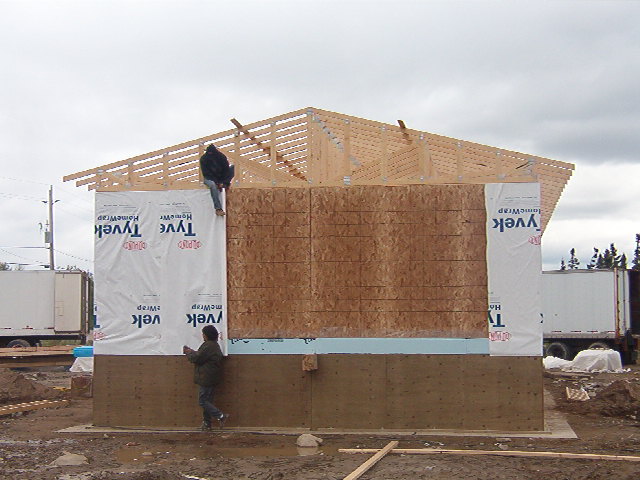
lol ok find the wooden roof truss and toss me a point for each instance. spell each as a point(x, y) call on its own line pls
point(312, 147)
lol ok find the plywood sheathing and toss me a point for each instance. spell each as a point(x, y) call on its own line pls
point(360, 261)
point(365, 392)
point(314, 147)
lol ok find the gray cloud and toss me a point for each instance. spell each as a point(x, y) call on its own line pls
point(87, 83)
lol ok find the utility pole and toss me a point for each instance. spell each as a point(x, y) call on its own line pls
point(51, 265)
point(48, 238)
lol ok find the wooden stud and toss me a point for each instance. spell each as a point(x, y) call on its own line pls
point(238, 165)
point(323, 160)
point(273, 154)
point(312, 165)
point(383, 158)
point(499, 166)
point(346, 167)
point(459, 160)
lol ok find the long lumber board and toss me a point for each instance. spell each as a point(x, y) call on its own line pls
point(500, 453)
point(362, 469)
point(25, 407)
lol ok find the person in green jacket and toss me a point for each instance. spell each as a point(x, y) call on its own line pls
point(207, 375)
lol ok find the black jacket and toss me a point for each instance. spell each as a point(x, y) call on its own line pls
point(208, 364)
point(215, 166)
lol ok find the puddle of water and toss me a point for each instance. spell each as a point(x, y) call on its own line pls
point(285, 451)
point(135, 454)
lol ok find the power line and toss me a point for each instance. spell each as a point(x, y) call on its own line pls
point(73, 256)
point(37, 262)
point(69, 212)
point(67, 190)
point(20, 196)
point(23, 180)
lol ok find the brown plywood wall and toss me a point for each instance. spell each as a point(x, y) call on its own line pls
point(357, 261)
point(364, 392)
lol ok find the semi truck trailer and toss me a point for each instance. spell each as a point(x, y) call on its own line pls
point(44, 305)
point(591, 309)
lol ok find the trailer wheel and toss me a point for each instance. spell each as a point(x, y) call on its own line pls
point(558, 350)
point(17, 343)
point(596, 345)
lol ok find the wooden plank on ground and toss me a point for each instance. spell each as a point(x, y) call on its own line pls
point(362, 469)
point(25, 407)
point(49, 361)
point(501, 453)
point(36, 351)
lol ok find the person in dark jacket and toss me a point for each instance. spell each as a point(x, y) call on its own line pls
point(217, 173)
point(207, 375)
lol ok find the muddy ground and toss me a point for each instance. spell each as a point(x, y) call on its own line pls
point(29, 443)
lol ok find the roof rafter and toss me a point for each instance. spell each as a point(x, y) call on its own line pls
point(315, 147)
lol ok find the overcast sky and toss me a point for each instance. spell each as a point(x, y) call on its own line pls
point(84, 83)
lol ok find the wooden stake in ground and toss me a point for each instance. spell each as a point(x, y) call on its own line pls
point(501, 453)
point(358, 472)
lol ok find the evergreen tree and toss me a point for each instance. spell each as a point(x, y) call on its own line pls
point(594, 259)
point(636, 254)
point(608, 259)
point(604, 259)
point(574, 262)
point(623, 262)
point(562, 264)
point(4, 266)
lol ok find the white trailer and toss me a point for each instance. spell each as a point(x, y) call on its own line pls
point(590, 309)
point(44, 305)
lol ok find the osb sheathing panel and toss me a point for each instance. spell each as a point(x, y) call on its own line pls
point(464, 392)
point(360, 261)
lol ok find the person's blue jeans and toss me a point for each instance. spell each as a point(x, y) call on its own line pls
point(215, 193)
point(205, 400)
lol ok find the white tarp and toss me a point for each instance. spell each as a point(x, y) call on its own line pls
point(514, 268)
point(82, 365)
point(160, 271)
point(596, 360)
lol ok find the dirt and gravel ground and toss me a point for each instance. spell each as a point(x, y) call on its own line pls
point(29, 444)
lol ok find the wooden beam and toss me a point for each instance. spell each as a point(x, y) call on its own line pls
point(499, 453)
point(31, 351)
point(266, 148)
point(257, 169)
point(346, 164)
point(362, 469)
point(25, 407)
point(383, 159)
point(403, 130)
point(217, 137)
point(309, 362)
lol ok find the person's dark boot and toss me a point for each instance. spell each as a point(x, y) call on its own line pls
point(223, 419)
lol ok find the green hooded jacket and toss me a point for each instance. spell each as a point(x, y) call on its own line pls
point(208, 364)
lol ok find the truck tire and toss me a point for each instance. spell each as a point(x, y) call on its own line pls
point(596, 345)
point(558, 350)
point(17, 343)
